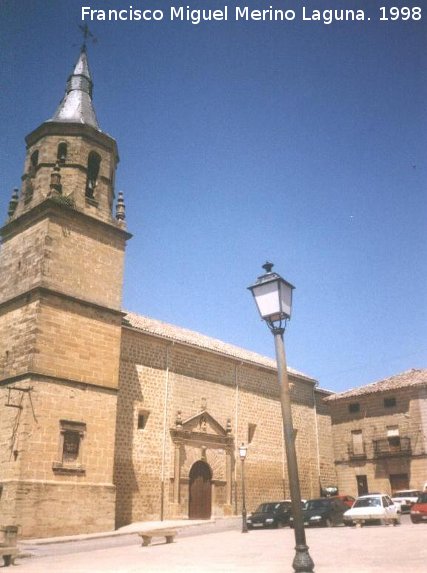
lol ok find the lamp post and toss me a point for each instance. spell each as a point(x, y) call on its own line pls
point(243, 450)
point(273, 297)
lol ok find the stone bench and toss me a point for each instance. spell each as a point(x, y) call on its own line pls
point(147, 536)
point(8, 554)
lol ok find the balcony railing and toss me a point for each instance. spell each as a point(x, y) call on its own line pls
point(390, 447)
point(356, 452)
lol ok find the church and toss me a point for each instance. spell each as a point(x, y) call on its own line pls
point(108, 417)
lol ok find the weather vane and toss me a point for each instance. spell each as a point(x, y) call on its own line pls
point(86, 34)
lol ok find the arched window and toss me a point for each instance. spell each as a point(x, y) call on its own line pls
point(93, 163)
point(62, 152)
point(34, 159)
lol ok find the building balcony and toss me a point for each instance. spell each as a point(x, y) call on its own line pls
point(356, 452)
point(394, 447)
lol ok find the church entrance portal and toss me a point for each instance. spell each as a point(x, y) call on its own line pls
point(200, 494)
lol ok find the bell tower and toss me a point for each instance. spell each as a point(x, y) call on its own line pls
point(61, 275)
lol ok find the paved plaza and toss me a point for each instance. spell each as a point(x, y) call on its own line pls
point(372, 549)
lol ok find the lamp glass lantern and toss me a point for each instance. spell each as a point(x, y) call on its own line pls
point(243, 450)
point(273, 296)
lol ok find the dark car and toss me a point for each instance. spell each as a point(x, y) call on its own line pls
point(270, 514)
point(324, 511)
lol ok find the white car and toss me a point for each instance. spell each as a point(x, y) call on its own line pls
point(376, 507)
point(405, 499)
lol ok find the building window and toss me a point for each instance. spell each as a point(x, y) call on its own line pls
point(62, 153)
point(93, 163)
point(389, 402)
point(71, 447)
point(357, 443)
point(71, 435)
point(34, 160)
point(354, 407)
point(393, 438)
point(251, 432)
point(142, 419)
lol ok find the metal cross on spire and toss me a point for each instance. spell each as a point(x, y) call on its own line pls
point(86, 34)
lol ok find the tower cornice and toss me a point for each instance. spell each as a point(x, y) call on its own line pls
point(54, 206)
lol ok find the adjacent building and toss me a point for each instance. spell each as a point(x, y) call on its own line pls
point(380, 434)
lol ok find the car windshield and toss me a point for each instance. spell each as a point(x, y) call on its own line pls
point(367, 502)
point(422, 498)
point(316, 504)
point(272, 506)
point(411, 493)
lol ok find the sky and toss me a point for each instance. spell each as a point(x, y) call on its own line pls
point(298, 142)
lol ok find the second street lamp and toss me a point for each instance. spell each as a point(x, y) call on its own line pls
point(243, 450)
point(273, 297)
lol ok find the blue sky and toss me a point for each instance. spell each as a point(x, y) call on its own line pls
point(297, 142)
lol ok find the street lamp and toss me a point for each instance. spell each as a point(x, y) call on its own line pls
point(273, 296)
point(243, 450)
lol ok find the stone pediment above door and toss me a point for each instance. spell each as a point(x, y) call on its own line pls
point(201, 427)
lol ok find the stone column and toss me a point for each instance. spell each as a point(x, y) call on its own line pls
point(177, 473)
point(229, 475)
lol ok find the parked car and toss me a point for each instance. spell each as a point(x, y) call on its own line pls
point(270, 514)
point(323, 511)
point(405, 499)
point(419, 509)
point(372, 508)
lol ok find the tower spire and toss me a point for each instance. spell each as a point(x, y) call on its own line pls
point(76, 105)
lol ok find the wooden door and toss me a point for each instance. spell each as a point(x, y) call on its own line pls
point(362, 485)
point(399, 482)
point(200, 493)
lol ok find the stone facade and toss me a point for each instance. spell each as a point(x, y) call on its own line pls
point(105, 417)
point(380, 434)
point(201, 404)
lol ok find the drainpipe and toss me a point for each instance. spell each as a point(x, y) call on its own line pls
point(236, 422)
point(316, 427)
point(165, 420)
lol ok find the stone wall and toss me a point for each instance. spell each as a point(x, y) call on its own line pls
point(158, 379)
point(37, 486)
point(77, 342)
point(328, 474)
point(70, 254)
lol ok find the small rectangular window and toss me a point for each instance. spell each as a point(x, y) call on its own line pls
point(354, 407)
point(389, 402)
point(142, 419)
point(70, 451)
point(251, 432)
point(71, 435)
